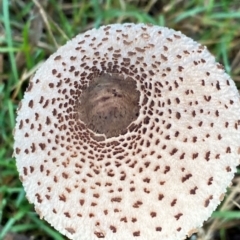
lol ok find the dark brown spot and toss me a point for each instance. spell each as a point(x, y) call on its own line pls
point(113, 228)
point(30, 104)
point(81, 201)
point(48, 121)
point(182, 156)
point(207, 98)
point(173, 202)
point(228, 150)
point(178, 216)
point(25, 171)
point(136, 234)
point(42, 146)
point(174, 150)
point(70, 230)
point(62, 198)
point(67, 214)
point(99, 234)
point(130, 53)
point(193, 191)
point(228, 169)
point(116, 199)
point(39, 199)
point(137, 204)
point(163, 57)
point(207, 201)
point(210, 181)
point(180, 68)
point(167, 169)
point(194, 156)
point(160, 196)
point(54, 71)
point(178, 115)
point(207, 156)
point(153, 214)
point(186, 177)
point(124, 219)
point(140, 49)
point(57, 57)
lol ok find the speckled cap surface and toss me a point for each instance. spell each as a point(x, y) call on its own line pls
point(165, 174)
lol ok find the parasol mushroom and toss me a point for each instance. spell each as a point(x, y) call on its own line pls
point(129, 131)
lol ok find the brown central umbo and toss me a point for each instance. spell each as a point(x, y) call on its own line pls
point(109, 104)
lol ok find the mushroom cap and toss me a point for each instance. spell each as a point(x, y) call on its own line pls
point(159, 179)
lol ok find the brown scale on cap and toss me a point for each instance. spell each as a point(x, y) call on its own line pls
point(109, 104)
point(128, 132)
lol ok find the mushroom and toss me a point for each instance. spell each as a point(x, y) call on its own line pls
point(129, 131)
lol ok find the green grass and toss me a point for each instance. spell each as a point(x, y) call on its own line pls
point(28, 38)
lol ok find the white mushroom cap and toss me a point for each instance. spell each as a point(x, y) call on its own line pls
point(161, 177)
